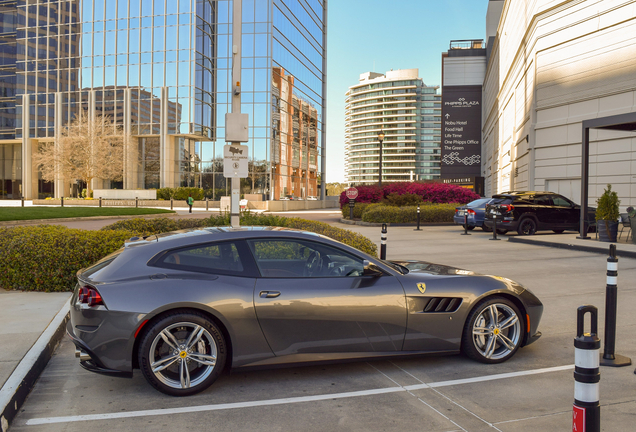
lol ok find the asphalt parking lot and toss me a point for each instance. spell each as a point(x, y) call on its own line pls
point(533, 391)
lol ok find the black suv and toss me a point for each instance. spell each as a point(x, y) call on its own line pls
point(528, 212)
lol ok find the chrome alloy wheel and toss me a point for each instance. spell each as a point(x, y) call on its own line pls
point(496, 331)
point(183, 355)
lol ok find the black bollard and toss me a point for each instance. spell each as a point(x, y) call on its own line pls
point(171, 203)
point(207, 203)
point(22, 201)
point(100, 201)
point(586, 411)
point(418, 219)
point(136, 202)
point(611, 300)
point(466, 222)
point(62, 201)
point(494, 230)
point(383, 243)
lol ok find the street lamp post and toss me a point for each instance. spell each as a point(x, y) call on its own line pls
point(380, 138)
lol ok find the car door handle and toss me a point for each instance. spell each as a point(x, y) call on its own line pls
point(269, 294)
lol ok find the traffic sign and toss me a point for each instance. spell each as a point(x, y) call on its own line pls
point(352, 193)
point(235, 159)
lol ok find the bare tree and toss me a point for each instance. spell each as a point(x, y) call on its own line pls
point(86, 149)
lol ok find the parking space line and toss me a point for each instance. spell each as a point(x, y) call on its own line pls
point(284, 401)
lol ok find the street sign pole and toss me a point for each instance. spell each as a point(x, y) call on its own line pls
point(237, 36)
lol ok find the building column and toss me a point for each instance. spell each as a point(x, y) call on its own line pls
point(130, 162)
point(164, 152)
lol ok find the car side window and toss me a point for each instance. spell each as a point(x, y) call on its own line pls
point(561, 202)
point(287, 258)
point(222, 258)
point(543, 200)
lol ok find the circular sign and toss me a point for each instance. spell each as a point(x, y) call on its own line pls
point(352, 193)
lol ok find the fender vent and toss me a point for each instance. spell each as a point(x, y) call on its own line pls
point(442, 304)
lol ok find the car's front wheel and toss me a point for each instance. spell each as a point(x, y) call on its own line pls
point(493, 331)
point(470, 227)
point(182, 353)
point(527, 226)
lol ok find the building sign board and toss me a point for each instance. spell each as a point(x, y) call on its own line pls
point(235, 159)
point(461, 131)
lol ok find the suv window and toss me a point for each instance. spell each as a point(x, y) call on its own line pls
point(544, 200)
point(560, 201)
point(220, 258)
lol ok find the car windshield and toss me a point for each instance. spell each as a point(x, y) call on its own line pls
point(397, 267)
point(478, 203)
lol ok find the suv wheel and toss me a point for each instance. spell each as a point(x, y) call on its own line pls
point(527, 226)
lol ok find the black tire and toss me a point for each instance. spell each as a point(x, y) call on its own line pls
point(204, 359)
point(486, 228)
point(476, 343)
point(470, 227)
point(527, 226)
point(502, 231)
point(558, 231)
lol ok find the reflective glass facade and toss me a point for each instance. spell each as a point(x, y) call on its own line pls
point(162, 70)
point(409, 114)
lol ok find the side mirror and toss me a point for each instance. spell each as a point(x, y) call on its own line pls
point(371, 269)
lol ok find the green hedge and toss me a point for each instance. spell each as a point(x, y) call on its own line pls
point(46, 257)
point(428, 213)
point(358, 209)
point(180, 193)
point(144, 227)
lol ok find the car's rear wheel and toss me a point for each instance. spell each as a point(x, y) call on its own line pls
point(486, 228)
point(558, 231)
point(527, 226)
point(182, 354)
point(493, 331)
point(470, 227)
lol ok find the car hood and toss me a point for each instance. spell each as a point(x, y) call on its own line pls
point(418, 269)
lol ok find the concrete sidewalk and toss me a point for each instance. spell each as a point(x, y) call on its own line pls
point(31, 325)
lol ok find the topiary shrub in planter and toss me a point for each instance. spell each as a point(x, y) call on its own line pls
point(46, 257)
point(607, 214)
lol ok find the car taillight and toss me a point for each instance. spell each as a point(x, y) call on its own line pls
point(90, 296)
point(470, 211)
point(508, 207)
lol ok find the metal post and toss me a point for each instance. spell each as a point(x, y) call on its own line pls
point(22, 201)
point(418, 219)
point(494, 230)
point(586, 411)
point(380, 163)
point(237, 36)
point(207, 204)
point(611, 300)
point(171, 203)
point(466, 222)
point(383, 242)
point(136, 202)
point(62, 201)
point(100, 202)
point(352, 204)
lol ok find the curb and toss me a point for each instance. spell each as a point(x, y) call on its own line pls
point(576, 247)
point(19, 384)
point(389, 224)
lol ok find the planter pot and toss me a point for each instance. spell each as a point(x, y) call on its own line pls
point(632, 221)
point(607, 230)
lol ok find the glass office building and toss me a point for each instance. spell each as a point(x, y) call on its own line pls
point(162, 70)
point(408, 112)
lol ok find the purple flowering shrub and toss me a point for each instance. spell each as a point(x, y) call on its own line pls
point(439, 193)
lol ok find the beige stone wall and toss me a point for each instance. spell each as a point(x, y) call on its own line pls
point(555, 64)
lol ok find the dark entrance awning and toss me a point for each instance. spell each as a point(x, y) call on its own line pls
point(620, 122)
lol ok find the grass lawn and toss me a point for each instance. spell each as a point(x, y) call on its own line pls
point(27, 213)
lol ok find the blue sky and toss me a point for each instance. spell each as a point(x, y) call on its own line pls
point(379, 35)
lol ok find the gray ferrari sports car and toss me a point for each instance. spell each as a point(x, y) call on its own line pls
point(183, 306)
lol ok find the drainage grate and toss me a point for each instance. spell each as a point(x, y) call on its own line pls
point(442, 304)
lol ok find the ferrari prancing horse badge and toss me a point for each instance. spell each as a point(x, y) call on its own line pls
point(422, 287)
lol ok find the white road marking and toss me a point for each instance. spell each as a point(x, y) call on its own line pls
point(284, 401)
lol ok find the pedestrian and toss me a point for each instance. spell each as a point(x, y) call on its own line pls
point(190, 201)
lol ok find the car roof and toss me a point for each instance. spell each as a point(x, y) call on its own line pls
point(518, 193)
